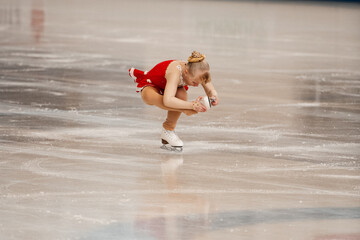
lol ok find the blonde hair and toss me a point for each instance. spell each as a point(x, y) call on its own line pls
point(197, 61)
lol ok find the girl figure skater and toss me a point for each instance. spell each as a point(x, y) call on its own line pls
point(166, 85)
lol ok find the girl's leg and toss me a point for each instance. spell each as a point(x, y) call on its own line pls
point(151, 96)
point(173, 116)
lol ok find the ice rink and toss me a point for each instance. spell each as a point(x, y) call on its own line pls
point(80, 154)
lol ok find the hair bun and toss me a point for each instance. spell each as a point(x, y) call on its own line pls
point(196, 57)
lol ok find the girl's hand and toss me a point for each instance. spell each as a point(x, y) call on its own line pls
point(214, 100)
point(198, 106)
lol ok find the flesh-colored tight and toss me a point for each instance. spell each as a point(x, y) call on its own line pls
point(151, 96)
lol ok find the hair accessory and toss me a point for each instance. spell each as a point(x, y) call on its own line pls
point(196, 57)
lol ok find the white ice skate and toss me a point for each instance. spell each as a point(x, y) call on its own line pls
point(171, 141)
point(207, 102)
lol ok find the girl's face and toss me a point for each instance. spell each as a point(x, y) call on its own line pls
point(194, 79)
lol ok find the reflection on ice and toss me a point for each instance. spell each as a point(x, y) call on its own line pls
point(191, 226)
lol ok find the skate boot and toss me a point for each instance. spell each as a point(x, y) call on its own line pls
point(171, 141)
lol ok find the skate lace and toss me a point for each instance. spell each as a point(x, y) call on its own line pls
point(172, 135)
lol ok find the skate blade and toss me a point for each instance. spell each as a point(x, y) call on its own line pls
point(171, 148)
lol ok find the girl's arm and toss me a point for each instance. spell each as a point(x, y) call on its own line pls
point(173, 80)
point(169, 95)
point(211, 92)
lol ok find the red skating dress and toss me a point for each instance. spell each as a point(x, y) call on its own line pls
point(155, 77)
